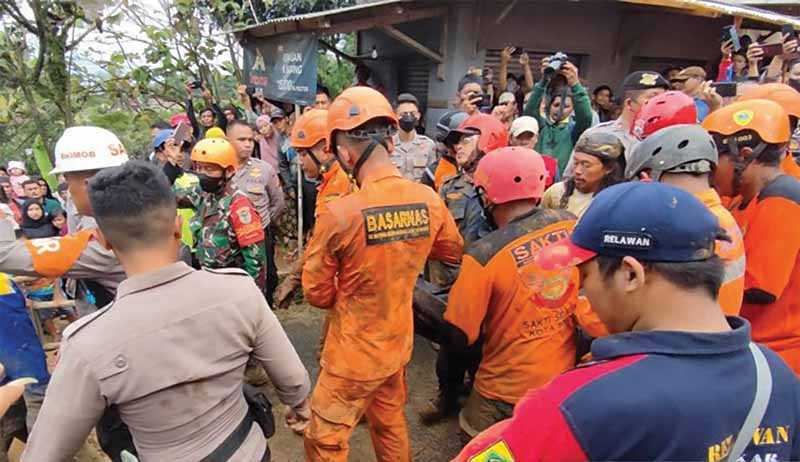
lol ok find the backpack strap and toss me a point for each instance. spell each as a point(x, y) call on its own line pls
point(759, 407)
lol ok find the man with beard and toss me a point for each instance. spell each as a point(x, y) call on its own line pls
point(599, 160)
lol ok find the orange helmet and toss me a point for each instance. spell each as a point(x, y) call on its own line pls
point(783, 94)
point(217, 151)
point(310, 129)
point(355, 107)
point(766, 118)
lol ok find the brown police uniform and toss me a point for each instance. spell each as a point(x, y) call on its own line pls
point(170, 353)
point(260, 182)
point(362, 262)
point(412, 157)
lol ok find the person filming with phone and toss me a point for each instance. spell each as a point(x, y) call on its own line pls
point(568, 110)
point(705, 95)
point(210, 116)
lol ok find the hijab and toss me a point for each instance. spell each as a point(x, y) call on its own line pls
point(35, 229)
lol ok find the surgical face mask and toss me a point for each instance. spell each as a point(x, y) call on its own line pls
point(408, 122)
point(209, 184)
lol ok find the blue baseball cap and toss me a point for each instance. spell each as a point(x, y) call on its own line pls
point(161, 138)
point(648, 221)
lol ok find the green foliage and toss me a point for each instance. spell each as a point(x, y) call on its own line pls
point(334, 72)
point(50, 77)
point(43, 165)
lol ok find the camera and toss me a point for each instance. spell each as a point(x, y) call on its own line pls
point(479, 99)
point(196, 85)
point(555, 64)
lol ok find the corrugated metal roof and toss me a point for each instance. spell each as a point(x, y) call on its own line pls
point(712, 6)
point(726, 8)
point(320, 14)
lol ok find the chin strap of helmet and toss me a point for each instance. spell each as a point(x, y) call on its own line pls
point(322, 167)
point(376, 137)
point(740, 164)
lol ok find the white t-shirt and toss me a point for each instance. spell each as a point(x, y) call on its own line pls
point(577, 203)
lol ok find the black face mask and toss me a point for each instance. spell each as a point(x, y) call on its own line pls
point(209, 184)
point(794, 83)
point(408, 123)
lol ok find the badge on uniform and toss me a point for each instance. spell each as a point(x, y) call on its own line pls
point(256, 172)
point(498, 452)
point(245, 217)
point(396, 223)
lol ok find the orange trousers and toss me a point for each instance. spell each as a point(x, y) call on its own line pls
point(337, 405)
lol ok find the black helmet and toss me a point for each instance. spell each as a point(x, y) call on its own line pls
point(449, 122)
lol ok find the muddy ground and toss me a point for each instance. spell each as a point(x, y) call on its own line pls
point(437, 443)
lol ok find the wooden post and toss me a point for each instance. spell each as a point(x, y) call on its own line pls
point(299, 198)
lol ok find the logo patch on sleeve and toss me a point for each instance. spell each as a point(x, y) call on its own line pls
point(498, 452)
point(396, 223)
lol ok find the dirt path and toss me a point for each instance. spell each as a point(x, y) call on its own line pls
point(303, 324)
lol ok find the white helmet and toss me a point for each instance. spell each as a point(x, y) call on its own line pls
point(88, 148)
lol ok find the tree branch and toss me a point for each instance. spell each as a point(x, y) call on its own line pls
point(10, 7)
point(81, 37)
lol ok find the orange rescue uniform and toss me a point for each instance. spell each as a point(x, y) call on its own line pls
point(366, 253)
point(771, 226)
point(524, 312)
point(335, 184)
point(790, 167)
point(444, 170)
point(732, 253)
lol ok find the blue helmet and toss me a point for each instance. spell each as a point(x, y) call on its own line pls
point(161, 138)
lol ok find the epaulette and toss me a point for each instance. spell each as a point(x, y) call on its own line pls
point(230, 271)
point(84, 321)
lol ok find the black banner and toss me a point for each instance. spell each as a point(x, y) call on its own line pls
point(284, 67)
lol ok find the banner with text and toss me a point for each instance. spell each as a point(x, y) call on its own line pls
point(284, 68)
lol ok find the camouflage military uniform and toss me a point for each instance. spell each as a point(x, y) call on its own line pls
point(412, 157)
point(227, 231)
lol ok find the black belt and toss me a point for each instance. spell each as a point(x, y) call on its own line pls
point(232, 443)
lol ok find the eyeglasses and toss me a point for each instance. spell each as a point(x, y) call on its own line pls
point(467, 139)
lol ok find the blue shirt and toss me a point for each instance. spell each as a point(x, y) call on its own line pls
point(21, 351)
point(655, 395)
point(702, 109)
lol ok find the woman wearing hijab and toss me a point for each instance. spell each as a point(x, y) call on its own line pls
point(35, 222)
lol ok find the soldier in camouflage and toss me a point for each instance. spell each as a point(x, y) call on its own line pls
point(227, 229)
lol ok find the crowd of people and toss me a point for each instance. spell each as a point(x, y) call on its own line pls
point(593, 269)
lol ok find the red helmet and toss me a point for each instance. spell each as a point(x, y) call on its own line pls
point(178, 118)
point(664, 110)
point(511, 173)
point(494, 134)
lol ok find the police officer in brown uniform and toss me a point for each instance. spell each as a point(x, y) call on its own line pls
point(170, 351)
point(412, 151)
point(260, 182)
